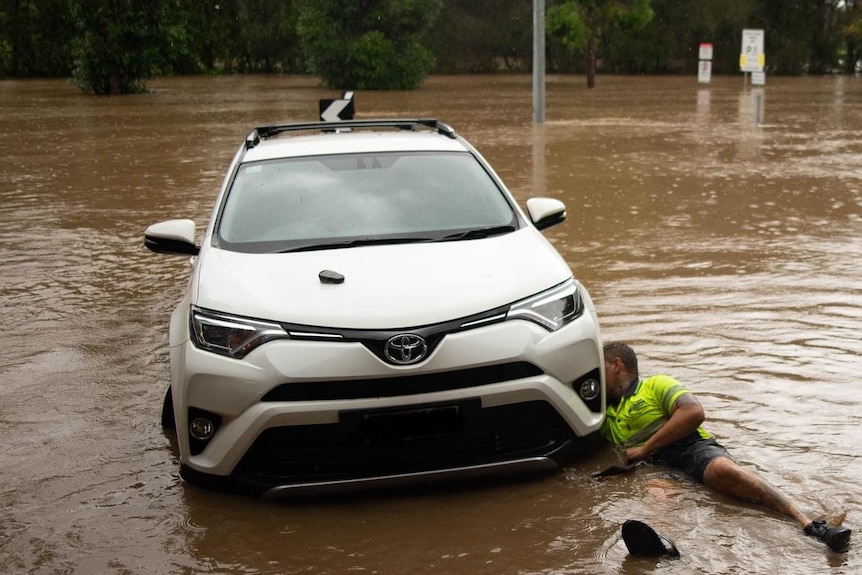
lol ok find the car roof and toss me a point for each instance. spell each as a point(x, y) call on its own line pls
point(298, 140)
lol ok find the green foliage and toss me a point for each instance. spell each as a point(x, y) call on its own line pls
point(117, 45)
point(268, 44)
point(565, 22)
point(367, 44)
point(573, 21)
point(587, 24)
point(852, 33)
point(35, 38)
point(804, 38)
point(482, 35)
point(630, 15)
point(197, 35)
point(668, 44)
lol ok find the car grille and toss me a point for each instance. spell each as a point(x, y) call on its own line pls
point(367, 444)
point(398, 386)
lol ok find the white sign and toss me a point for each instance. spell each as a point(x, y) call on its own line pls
point(752, 57)
point(333, 110)
point(758, 78)
point(337, 110)
point(704, 71)
point(705, 52)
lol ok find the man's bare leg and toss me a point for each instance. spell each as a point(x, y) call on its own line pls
point(725, 476)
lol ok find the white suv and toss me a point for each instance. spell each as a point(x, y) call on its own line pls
point(369, 306)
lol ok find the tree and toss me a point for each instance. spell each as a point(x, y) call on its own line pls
point(852, 32)
point(583, 23)
point(117, 45)
point(35, 38)
point(269, 39)
point(200, 36)
point(482, 35)
point(367, 44)
point(669, 42)
point(246, 36)
point(826, 39)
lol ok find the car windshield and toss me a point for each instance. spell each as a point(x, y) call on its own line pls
point(344, 200)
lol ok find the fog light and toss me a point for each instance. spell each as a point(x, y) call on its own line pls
point(201, 428)
point(590, 389)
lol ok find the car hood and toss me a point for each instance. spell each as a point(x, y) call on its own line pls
point(385, 287)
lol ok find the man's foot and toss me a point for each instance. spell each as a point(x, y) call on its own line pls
point(837, 538)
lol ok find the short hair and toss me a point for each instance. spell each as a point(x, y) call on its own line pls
point(618, 349)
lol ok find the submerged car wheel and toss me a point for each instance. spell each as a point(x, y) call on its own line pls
point(168, 421)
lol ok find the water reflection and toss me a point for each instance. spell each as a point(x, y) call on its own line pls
point(727, 253)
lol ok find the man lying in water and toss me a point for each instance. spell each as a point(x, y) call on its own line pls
point(657, 419)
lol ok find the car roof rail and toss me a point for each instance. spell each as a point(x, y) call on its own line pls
point(263, 132)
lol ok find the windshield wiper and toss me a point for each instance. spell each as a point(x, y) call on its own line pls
point(478, 233)
point(334, 245)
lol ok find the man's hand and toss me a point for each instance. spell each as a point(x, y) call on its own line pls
point(637, 453)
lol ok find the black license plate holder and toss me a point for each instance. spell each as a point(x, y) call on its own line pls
point(392, 427)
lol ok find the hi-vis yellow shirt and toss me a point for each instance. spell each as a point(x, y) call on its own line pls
point(643, 409)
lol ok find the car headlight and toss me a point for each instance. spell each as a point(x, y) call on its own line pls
point(551, 309)
point(230, 335)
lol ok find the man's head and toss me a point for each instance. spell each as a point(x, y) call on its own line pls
point(617, 349)
point(621, 367)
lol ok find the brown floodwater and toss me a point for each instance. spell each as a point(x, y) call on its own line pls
point(727, 252)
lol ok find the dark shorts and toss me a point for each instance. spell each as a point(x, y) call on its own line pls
point(691, 456)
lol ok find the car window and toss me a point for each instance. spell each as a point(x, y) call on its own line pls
point(371, 195)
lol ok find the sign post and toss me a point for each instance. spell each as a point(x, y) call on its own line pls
point(539, 61)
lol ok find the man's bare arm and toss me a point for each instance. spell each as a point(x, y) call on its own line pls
point(686, 416)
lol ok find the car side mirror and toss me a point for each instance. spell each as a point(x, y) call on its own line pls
point(172, 237)
point(546, 212)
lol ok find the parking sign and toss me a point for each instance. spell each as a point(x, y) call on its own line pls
point(752, 58)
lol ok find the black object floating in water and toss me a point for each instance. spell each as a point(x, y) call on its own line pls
point(618, 469)
point(643, 541)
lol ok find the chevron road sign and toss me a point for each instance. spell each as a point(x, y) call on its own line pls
point(337, 110)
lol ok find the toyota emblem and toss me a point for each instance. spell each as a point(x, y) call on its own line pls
point(405, 348)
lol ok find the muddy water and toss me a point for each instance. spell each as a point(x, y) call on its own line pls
point(728, 253)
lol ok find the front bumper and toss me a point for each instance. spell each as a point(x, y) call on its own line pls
point(323, 416)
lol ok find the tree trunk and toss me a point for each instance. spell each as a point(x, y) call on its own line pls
point(114, 85)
